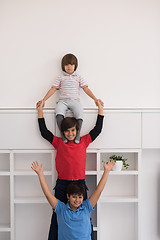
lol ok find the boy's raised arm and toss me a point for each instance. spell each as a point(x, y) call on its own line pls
point(39, 170)
point(100, 107)
point(99, 123)
point(40, 110)
point(42, 126)
point(96, 194)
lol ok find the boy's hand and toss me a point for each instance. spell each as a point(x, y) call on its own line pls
point(38, 169)
point(108, 166)
point(39, 103)
point(100, 107)
point(40, 109)
point(97, 101)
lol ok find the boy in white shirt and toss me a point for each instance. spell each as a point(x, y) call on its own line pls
point(69, 85)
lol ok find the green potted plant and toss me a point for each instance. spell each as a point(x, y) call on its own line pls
point(120, 162)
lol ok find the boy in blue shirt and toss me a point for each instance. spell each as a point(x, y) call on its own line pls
point(74, 217)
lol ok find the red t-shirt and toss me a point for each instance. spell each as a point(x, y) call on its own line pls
point(71, 157)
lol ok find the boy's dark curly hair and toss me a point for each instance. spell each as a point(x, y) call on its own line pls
point(76, 188)
point(69, 122)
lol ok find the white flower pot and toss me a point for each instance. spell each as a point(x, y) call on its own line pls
point(118, 166)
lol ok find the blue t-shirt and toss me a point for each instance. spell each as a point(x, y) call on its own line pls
point(75, 225)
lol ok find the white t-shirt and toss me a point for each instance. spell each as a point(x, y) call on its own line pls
point(69, 85)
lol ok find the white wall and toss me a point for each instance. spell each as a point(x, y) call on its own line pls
point(116, 42)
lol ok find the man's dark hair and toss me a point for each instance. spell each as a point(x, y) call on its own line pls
point(69, 122)
point(76, 188)
point(69, 59)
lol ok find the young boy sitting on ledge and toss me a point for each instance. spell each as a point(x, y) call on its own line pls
point(74, 217)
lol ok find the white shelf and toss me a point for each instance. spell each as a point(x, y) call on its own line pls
point(123, 172)
point(30, 173)
point(122, 191)
point(4, 173)
point(30, 200)
point(120, 150)
point(91, 173)
point(119, 199)
point(33, 151)
point(122, 187)
point(5, 228)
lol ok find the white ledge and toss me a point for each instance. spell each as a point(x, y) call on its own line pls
point(91, 109)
